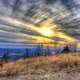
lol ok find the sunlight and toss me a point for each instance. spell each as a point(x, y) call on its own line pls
point(46, 32)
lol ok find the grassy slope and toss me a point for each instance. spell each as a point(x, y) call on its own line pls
point(42, 65)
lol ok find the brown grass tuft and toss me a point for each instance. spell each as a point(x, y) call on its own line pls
point(42, 65)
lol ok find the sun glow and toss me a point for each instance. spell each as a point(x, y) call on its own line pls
point(47, 28)
point(46, 32)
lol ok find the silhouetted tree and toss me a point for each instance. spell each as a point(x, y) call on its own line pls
point(39, 50)
point(66, 49)
point(73, 47)
point(48, 51)
point(5, 57)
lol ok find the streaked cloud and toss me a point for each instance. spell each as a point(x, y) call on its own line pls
point(29, 20)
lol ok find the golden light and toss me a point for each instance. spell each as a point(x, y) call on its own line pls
point(65, 37)
point(46, 32)
point(47, 29)
point(43, 40)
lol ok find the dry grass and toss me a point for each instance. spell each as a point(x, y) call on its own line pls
point(42, 65)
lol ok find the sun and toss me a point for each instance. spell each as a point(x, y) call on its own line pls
point(46, 32)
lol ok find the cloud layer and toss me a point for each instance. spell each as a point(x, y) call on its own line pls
point(64, 13)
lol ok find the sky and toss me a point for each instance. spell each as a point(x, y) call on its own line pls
point(37, 21)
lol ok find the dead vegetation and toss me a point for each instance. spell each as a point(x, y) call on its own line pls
point(42, 65)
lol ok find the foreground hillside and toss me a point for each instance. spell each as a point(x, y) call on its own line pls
point(62, 67)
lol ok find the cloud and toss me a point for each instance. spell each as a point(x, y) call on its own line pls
point(34, 12)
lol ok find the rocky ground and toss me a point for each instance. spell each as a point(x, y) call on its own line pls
point(61, 67)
